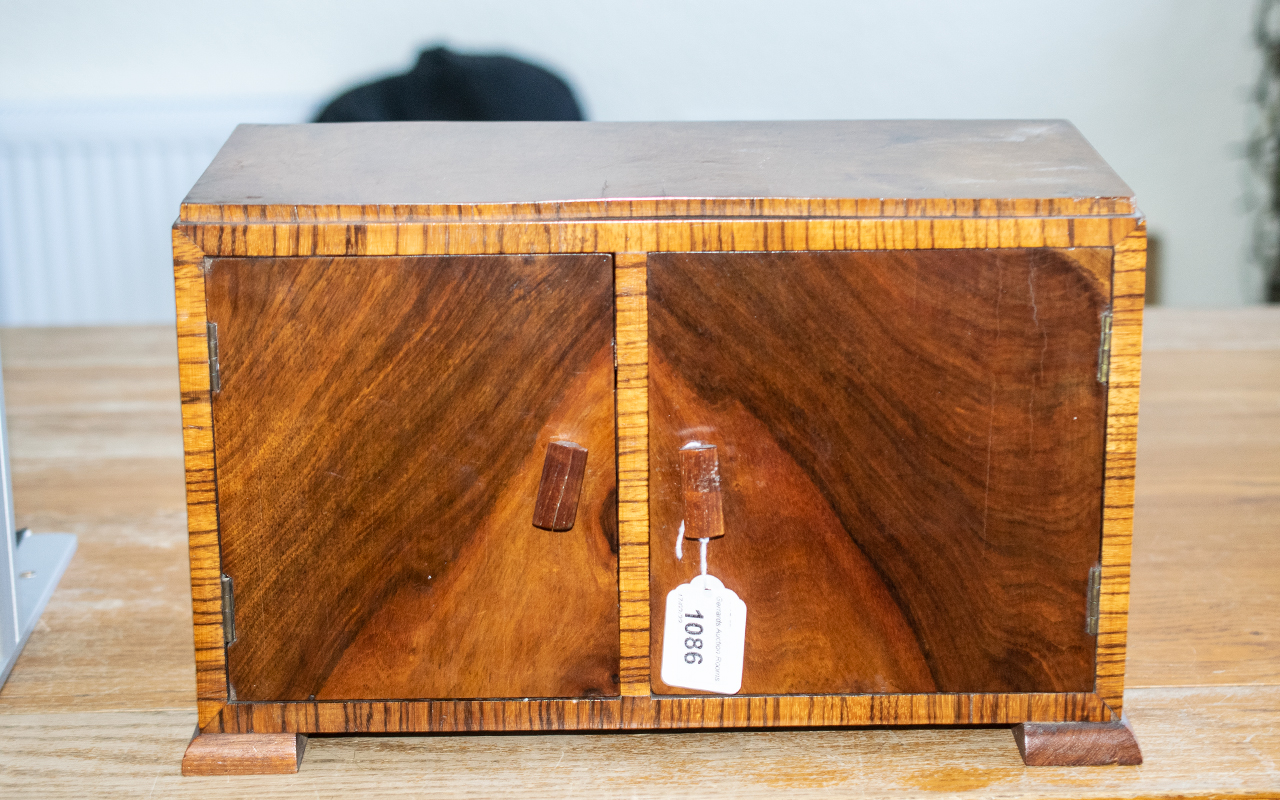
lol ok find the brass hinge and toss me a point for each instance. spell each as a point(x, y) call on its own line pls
point(1094, 600)
point(1104, 349)
point(215, 372)
point(228, 610)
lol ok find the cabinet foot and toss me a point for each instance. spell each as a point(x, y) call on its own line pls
point(244, 754)
point(1077, 744)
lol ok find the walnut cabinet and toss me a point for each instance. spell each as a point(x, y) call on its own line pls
point(437, 379)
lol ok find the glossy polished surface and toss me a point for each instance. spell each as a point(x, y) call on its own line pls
point(910, 456)
point(380, 435)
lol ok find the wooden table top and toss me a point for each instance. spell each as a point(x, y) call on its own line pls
point(101, 703)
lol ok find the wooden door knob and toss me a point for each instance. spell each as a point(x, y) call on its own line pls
point(562, 473)
point(700, 476)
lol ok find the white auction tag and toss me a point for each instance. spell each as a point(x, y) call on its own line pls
point(704, 636)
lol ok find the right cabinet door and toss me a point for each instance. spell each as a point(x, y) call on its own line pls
point(911, 461)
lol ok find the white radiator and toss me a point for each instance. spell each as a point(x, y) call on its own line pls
point(87, 197)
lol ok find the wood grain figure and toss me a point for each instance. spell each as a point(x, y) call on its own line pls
point(911, 443)
point(381, 432)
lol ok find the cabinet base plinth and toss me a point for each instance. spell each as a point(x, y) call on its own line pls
point(244, 754)
point(1077, 744)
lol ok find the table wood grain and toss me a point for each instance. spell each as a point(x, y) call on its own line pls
point(101, 703)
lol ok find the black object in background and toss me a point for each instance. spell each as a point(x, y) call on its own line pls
point(445, 85)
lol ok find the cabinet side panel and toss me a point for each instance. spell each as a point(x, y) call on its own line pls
point(911, 451)
point(1129, 287)
point(382, 428)
point(202, 509)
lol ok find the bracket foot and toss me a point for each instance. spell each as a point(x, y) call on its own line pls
point(244, 754)
point(1077, 744)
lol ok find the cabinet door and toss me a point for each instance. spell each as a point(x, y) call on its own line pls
point(380, 435)
point(911, 460)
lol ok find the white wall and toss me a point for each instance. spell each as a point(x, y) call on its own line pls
point(1158, 86)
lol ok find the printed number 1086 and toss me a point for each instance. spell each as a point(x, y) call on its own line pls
point(693, 642)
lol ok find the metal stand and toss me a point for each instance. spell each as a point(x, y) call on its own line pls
point(30, 566)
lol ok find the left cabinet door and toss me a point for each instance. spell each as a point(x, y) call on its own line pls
point(379, 437)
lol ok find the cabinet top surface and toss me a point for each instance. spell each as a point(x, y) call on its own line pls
point(631, 169)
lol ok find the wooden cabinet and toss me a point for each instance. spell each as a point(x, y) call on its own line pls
point(913, 346)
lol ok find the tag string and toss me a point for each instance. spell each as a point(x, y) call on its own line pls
point(702, 547)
